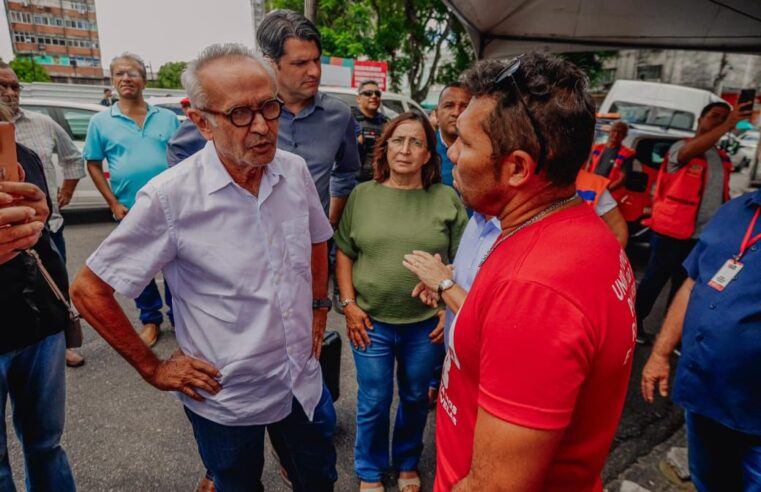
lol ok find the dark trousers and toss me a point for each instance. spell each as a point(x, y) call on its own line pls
point(666, 257)
point(149, 303)
point(722, 459)
point(234, 455)
point(59, 243)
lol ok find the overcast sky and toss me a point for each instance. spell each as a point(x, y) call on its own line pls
point(161, 30)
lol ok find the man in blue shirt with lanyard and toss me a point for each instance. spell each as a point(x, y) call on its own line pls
point(717, 316)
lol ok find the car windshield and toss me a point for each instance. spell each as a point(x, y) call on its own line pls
point(653, 115)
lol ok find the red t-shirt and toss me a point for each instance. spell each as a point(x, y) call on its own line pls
point(544, 340)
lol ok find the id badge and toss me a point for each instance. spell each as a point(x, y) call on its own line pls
point(725, 274)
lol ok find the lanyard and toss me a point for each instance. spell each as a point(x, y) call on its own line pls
point(747, 240)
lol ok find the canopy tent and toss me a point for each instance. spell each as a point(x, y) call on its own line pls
point(502, 28)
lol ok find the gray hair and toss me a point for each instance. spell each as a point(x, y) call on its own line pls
point(194, 88)
point(280, 25)
point(131, 57)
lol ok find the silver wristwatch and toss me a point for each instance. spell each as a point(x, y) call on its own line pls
point(445, 284)
point(345, 302)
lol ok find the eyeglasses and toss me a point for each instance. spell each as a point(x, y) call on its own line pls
point(132, 74)
point(398, 142)
point(507, 77)
point(15, 87)
point(242, 116)
point(370, 93)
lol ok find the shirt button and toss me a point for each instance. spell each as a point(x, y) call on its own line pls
point(712, 306)
point(753, 248)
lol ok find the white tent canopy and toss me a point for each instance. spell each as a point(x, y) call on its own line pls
point(501, 28)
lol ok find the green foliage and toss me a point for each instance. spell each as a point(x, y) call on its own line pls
point(410, 35)
point(168, 76)
point(591, 62)
point(29, 71)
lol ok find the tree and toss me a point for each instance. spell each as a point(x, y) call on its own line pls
point(28, 71)
point(591, 62)
point(168, 76)
point(411, 35)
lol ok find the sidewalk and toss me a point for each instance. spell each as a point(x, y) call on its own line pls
point(658, 471)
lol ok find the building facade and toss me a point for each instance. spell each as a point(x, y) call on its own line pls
point(722, 73)
point(59, 35)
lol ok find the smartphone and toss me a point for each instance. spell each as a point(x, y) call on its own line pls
point(8, 160)
point(746, 95)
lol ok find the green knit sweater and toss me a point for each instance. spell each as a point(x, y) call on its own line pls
point(379, 226)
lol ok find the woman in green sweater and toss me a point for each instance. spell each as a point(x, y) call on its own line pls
point(404, 208)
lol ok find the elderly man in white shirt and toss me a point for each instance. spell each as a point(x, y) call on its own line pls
point(239, 232)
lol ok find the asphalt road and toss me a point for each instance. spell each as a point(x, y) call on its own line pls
point(124, 435)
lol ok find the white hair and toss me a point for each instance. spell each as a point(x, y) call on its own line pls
point(194, 88)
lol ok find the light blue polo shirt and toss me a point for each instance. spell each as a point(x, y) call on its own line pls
point(135, 155)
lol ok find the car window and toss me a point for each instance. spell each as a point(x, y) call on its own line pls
point(38, 109)
point(392, 107)
point(750, 137)
point(653, 115)
point(78, 121)
point(652, 151)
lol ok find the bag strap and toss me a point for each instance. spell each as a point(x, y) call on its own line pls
point(49, 279)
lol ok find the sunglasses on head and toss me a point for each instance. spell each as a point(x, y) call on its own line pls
point(506, 80)
point(369, 93)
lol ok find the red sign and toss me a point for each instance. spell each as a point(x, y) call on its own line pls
point(370, 70)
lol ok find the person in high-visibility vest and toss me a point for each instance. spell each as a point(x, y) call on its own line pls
point(693, 182)
point(612, 159)
point(594, 190)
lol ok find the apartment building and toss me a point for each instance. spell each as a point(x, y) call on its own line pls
point(59, 35)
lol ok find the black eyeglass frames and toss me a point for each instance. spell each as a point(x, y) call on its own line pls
point(242, 116)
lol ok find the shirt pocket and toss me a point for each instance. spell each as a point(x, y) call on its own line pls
point(298, 245)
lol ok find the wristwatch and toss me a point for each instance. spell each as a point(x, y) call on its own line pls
point(445, 284)
point(322, 304)
point(345, 302)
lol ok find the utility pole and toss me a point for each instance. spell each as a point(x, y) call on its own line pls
point(310, 10)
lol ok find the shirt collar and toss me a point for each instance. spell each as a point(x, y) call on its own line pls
point(18, 116)
point(484, 225)
point(441, 139)
point(117, 111)
point(217, 176)
point(316, 102)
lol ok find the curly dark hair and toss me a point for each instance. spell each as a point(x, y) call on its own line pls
point(431, 170)
point(555, 92)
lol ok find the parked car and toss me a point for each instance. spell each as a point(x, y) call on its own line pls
point(742, 149)
point(172, 103)
point(74, 118)
point(656, 104)
point(392, 104)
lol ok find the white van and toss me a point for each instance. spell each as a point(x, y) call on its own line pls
point(667, 106)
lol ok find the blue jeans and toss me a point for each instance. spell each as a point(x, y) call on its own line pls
point(666, 257)
point(416, 357)
point(722, 459)
point(234, 455)
point(33, 376)
point(149, 303)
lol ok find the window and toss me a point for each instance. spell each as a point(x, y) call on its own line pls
point(649, 72)
point(653, 115)
point(392, 107)
point(37, 109)
point(652, 151)
point(78, 120)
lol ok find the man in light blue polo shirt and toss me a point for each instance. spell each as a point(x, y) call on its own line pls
point(132, 136)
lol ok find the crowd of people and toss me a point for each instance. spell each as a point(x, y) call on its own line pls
point(469, 260)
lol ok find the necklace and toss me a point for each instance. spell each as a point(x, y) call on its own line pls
point(536, 218)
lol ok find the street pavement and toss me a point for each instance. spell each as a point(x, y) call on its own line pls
point(123, 435)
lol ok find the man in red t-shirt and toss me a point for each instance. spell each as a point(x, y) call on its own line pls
point(540, 353)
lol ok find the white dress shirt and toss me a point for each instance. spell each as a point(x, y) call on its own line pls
point(240, 272)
